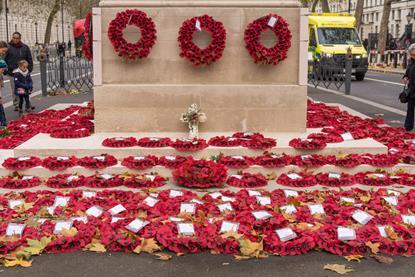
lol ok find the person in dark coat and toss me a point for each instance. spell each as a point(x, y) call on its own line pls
point(409, 79)
point(16, 52)
point(23, 85)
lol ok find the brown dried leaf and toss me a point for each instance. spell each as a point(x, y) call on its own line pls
point(374, 247)
point(339, 268)
point(354, 258)
point(383, 259)
point(163, 256)
point(391, 233)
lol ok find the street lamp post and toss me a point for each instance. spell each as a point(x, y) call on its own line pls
point(37, 41)
point(63, 28)
point(7, 19)
point(408, 37)
point(57, 33)
point(350, 4)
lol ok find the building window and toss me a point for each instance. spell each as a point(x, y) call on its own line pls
point(376, 29)
point(392, 30)
point(393, 14)
point(399, 14)
point(377, 16)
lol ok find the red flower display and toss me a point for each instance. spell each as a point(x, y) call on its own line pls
point(154, 142)
point(87, 44)
point(222, 141)
point(272, 161)
point(311, 160)
point(63, 181)
point(120, 142)
point(128, 50)
point(236, 161)
point(200, 174)
point(70, 133)
point(247, 180)
point(140, 162)
point(335, 179)
point(260, 53)
point(189, 145)
point(298, 179)
point(21, 163)
point(373, 178)
point(98, 162)
point(173, 161)
point(59, 163)
point(259, 143)
point(193, 53)
point(104, 181)
point(17, 181)
point(307, 144)
point(144, 181)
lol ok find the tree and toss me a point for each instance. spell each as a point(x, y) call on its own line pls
point(51, 17)
point(359, 13)
point(383, 33)
point(325, 6)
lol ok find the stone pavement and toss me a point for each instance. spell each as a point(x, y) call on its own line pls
point(390, 70)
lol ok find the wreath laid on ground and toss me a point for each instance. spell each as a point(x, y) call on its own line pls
point(87, 45)
point(259, 52)
point(140, 49)
point(192, 52)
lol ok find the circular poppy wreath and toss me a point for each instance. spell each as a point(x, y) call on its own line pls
point(258, 51)
point(128, 50)
point(192, 52)
point(87, 45)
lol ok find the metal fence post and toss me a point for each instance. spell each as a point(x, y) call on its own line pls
point(61, 52)
point(348, 69)
point(43, 73)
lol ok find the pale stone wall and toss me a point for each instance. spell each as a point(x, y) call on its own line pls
point(236, 94)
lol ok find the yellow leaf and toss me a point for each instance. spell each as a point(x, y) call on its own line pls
point(374, 247)
point(231, 235)
point(365, 198)
point(354, 258)
point(17, 262)
point(70, 233)
point(339, 268)
point(391, 233)
point(148, 246)
point(163, 256)
point(241, 258)
point(96, 247)
point(249, 248)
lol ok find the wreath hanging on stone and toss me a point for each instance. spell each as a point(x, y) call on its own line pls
point(192, 52)
point(140, 49)
point(259, 52)
point(87, 45)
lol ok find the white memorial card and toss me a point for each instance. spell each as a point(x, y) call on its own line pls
point(115, 219)
point(382, 231)
point(83, 219)
point(15, 203)
point(61, 201)
point(361, 217)
point(117, 209)
point(347, 200)
point(289, 209)
point(189, 208)
point(215, 195)
point(198, 26)
point(99, 158)
point(290, 193)
point(347, 136)
point(228, 226)
point(186, 229)
point(106, 176)
point(294, 176)
point(136, 225)
point(150, 201)
point(94, 211)
point(88, 194)
point(263, 200)
point(409, 219)
point(344, 233)
point(196, 201)
point(62, 225)
point(391, 200)
point(228, 199)
point(176, 219)
point(254, 193)
point(316, 209)
point(286, 234)
point(62, 158)
point(225, 207)
point(261, 215)
point(272, 21)
point(334, 175)
point(175, 193)
point(15, 229)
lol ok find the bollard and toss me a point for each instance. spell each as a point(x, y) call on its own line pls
point(43, 73)
point(61, 52)
point(405, 61)
point(395, 59)
point(348, 70)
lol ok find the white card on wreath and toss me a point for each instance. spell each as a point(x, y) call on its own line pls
point(83, 219)
point(115, 219)
point(62, 225)
point(215, 195)
point(238, 157)
point(263, 200)
point(170, 158)
point(290, 193)
point(94, 211)
point(154, 195)
point(27, 177)
point(239, 177)
point(347, 136)
point(228, 226)
point(289, 209)
point(117, 209)
point(72, 178)
point(139, 158)
point(119, 139)
point(22, 159)
point(225, 207)
point(61, 201)
point(196, 201)
point(176, 219)
point(51, 209)
point(198, 26)
point(261, 215)
point(393, 192)
point(15, 203)
point(382, 231)
point(62, 158)
point(347, 200)
point(106, 176)
point(136, 225)
point(228, 199)
point(272, 21)
point(361, 217)
point(254, 193)
point(150, 201)
point(334, 175)
point(88, 194)
point(189, 208)
point(409, 219)
point(316, 209)
point(294, 176)
point(99, 158)
point(15, 229)
point(344, 233)
point(286, 234)
point(186, 229)
point(175, 193)
point(151, 177)
point(391, 200)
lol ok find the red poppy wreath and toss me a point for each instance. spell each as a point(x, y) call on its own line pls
point(259, 52)
point(87, 45)
point(192, 52)
point(140, 49)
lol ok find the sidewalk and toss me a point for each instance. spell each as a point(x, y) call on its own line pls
point(389, 70)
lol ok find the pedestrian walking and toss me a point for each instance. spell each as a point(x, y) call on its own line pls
point(409, 80)
point(23, 85)
point(3, 68)
point(16, 52)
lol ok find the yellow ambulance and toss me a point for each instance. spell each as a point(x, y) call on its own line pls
point(331, 34)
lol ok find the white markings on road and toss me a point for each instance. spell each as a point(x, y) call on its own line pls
point(383, 81)
point(361, 100)
point(33, 75)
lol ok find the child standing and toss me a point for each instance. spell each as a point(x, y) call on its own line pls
point(3, 121)
point(23, 85)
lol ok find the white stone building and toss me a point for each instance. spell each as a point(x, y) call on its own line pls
point(372, 15)
point(23, 17)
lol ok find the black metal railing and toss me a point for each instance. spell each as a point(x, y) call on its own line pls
point(326, 73)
